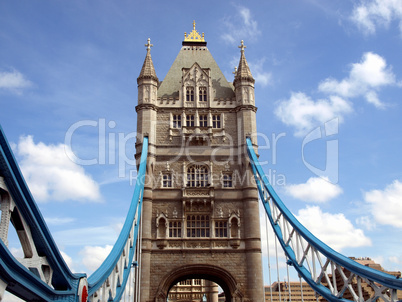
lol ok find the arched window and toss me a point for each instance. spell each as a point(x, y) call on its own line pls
point(197, 226)
point(190, 94)
point(197, 176)
point(203, 94)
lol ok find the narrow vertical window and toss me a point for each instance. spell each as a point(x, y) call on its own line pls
point(202, 94)
point(167, 180)
point(175, 229)
point(221, 229)
point(216, 121)
point(203, 120)
point(190, 120)
point(190, 94)
point(227, 181)
point(176, 121)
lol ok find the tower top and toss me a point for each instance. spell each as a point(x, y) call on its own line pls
point(148, 70)
point(243, 71)
point(194, 37)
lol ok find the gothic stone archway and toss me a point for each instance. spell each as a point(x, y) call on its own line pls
point(209, 272)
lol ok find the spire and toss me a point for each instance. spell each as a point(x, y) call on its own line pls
point(243, 71)
point(148, 70)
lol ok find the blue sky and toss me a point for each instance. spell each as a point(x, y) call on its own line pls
point(68, 65)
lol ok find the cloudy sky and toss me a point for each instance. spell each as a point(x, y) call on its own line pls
point(328, 90)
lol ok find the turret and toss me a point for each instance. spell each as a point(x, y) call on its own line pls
point(244, 81)
point(245, 101)
point(147, 80)
point(146, 109)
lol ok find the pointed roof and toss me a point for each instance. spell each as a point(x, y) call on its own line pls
point(148, 70)
point(243, 71)
point(194, 50)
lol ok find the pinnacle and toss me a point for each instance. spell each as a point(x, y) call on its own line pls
point(243, 71)
point(148, 70)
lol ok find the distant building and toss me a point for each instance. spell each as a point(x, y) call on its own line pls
point(296, 291)
point(194, 290)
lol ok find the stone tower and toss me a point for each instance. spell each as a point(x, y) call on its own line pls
point(200, 210)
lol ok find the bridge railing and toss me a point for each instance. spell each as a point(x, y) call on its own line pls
point(331, 274)
point(42, 274)
point(108, 282)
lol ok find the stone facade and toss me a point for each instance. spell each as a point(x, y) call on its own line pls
point(200, 211)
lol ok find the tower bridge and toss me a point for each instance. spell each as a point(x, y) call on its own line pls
point(195, 217)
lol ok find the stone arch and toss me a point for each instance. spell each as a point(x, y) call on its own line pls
point(200, 271)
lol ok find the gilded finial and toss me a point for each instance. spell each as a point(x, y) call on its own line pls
point(194, 36)
point(148, 45)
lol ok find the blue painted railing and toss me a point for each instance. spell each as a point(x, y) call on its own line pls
point(316, 262)
point(107, 283)
point(21, 281)
point(124, 248)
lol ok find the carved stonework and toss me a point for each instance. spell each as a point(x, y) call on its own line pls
point(197, 221)
point(175, 244)
point(221, 244)
point(198, 244)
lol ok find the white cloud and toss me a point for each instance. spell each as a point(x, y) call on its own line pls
point(17, 252)
point(58, 220)
point(333, 229)
point(88, 236)
point(261, 77)
point(395, 259)
point(51, 175)
point(13, 81)
point(316, 189)
point(366, 222)
point(303, 113)
point(370, 14)
point(67, 259)
point(240, 27)
point(364, 79)
point(93, 256)
point(385, 205)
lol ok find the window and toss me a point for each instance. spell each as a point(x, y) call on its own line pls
point(197, 281)
point(216, 121)
point(190, 120)
point(227, 181)
point(167, 180)
point(197, 176)
point(197, 226)
point(176, 121)
point(221, 229)
point(203, 120)
point(190, 94)
point(202, 94)
point(174, 229)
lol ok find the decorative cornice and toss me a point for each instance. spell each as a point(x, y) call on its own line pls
point(246, 107)
point(146, 106)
